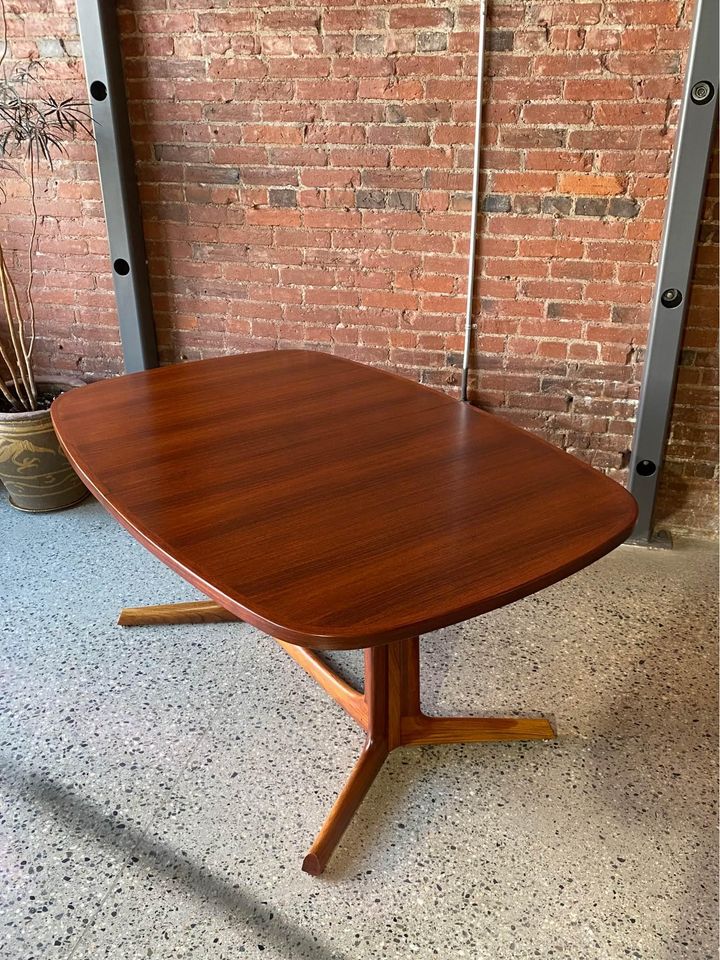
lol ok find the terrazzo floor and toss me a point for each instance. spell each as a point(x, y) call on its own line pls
point(160, 786)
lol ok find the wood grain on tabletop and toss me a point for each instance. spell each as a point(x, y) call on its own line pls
point(331, 504)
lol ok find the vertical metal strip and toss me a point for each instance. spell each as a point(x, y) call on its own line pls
point(693, 146)
point(100, 40)
point(475, 201)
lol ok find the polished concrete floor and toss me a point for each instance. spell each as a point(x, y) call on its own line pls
point(161, 785)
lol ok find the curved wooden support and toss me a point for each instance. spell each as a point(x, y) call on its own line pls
point(392, 692)
point(366, 768)
point(350, 699)
point(389, 711)
point(206, 611)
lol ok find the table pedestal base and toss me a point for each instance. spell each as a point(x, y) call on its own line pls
point(388, 711)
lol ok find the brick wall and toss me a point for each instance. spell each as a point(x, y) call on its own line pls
point(305, 173)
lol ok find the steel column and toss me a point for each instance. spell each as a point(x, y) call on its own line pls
point(106, 85)
point(477, 149)
point(693, 146)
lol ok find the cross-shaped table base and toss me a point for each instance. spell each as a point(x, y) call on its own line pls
point(388, 711)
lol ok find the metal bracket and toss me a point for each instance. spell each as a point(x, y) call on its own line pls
point(106, 85)
point(693, 146)
point(660, 540)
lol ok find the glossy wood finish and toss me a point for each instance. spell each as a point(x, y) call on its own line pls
point(388, 711)
point(206, 611)
point(395, 719)
point(417, 731)
point(352, 701)
point(333, 505)
point(203, 611)
point(367, 767)
point(336, 507)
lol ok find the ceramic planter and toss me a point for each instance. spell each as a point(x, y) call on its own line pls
point(33, 468)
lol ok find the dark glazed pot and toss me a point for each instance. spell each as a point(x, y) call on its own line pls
point(33, 468)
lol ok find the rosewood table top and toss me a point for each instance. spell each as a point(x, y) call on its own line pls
point(333, 505)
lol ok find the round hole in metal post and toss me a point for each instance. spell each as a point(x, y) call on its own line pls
point(98, 90)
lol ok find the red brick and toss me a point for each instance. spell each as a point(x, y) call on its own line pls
point(555, 13)
point(299, 66)
point(422, 157)
point(630, 114)
point(362, 157)
point(587, 185)
point(556, 113)
point(415, 18)
point(524, 182)
point(643, 64)
point(341, 21)
point(373, 88)
point(290, 20)
point(273, 217)
point(255, 133)
point(331, 219)
point(570, 65)
point(639, 39)
point(603, 38)
point(599, 89)
point(640, 11)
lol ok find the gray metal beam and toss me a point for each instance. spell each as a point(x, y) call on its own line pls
point(693, 144)
point(106, 85)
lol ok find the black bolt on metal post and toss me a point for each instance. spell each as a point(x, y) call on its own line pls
point(106, 85)
point(677, 253)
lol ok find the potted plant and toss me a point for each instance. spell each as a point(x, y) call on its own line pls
point(34, 128)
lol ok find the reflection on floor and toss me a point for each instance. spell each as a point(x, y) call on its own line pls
point(149, 809)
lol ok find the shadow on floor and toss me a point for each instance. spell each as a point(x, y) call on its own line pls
point(86, 818)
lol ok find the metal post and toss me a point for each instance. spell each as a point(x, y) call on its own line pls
point(475, 201)
point(693, 146)
point(106, 84)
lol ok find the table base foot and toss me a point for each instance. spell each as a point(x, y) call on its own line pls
point(366, 768)
point(203, 611)
point(422, 729)
point(388, 710)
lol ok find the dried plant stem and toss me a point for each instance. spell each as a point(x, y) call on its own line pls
point(3, 19)
point(16, 365)
point(35, 126)
point(31, 257)
point(9, 397)
point(17, 402)
point(21, 367)
point(11, 366)
point(24, 349)
point(3, 356)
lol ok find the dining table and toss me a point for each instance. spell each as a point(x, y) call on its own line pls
point(334, 506)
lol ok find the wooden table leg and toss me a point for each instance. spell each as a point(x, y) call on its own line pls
point(422, 729)
point(343, 810)
point(202, 611)
point(351, 700)
point(365, 770)
point(389, 710)
point(206, 611)
point(414, 728)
